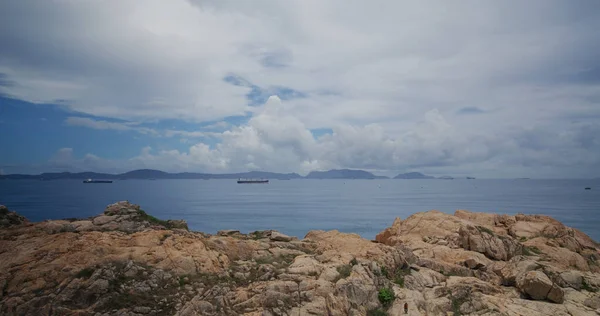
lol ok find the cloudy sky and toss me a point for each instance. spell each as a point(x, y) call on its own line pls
point(489, 89)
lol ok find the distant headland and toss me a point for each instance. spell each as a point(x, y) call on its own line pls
point(157, 174)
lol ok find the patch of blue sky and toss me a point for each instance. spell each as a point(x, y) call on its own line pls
point(318, 132)
point(34, 132)
point(259, 95)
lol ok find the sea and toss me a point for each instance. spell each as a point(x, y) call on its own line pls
point(294, 207)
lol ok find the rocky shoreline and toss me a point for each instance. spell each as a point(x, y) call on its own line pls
point(126, 262)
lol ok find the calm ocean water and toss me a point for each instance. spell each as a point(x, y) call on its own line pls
point(294, 207)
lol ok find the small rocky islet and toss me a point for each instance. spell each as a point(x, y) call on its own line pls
point(127, 262)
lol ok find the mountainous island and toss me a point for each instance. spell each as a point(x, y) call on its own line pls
point(343, 174)
point(157, 174)
point(126, 262)
point(413, 175)
point(151, 174)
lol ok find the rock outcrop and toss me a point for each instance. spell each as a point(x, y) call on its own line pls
point(126, 262)
point(8, 218)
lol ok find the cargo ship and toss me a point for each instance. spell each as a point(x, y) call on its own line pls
point(97, 181)
point(252, 181)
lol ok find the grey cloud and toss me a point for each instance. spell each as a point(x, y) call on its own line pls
point(106, 125)
point(470, 110)
point(134, 126)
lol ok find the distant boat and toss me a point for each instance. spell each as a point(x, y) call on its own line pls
point(588, 188)
point(97, 181)
point(252, 181)
point(470, 178)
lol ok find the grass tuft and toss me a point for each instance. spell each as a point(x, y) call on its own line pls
point(376, 312)
point(485, 230)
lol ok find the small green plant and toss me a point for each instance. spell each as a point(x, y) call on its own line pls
point(182, 280)
point(344, 271)
point(456, 303)
point(376, 312)
point(386, 296)
point(531, 251)
point(85, 273)
point(587, 287)
point(522, 238)
point(353, 261)
point(384, 272)
point(485, 230)
point(257, 235)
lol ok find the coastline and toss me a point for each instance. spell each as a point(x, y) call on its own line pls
point(127, 262)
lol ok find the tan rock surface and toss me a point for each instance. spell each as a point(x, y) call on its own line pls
point(126, 262)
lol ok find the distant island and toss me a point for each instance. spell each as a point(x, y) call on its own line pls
point(148, 174)
point(343, 174)
point(413, 175)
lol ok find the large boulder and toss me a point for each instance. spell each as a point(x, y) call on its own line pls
point(516, 267)
point(537, 285)
point(573, 279)
point(277, 236)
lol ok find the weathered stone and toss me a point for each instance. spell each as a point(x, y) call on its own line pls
point(228, 232)
point(572, 278)
point(592, 302)
point(142, 309)
point(483, 240)
point(103, 219)
point(539, 287)
point(277, 236)
point(475, 263)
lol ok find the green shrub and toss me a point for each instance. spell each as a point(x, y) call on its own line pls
point(376, 312)
point(353, 261)
point(386, 296)
point(344, 271)
point(85, 273)
point(399, 275)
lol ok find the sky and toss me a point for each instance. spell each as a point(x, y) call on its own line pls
point(493, 89)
